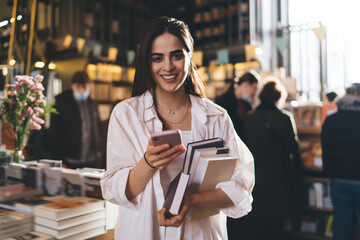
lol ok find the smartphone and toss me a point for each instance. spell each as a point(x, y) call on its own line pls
point(171, 137)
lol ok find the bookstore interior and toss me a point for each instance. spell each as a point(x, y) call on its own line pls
point(311, 54)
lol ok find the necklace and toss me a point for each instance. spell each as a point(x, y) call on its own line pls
point(173, 112)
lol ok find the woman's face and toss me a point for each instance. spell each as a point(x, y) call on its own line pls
point(169, 63)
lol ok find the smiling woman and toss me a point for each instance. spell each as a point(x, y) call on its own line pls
point(168, 94)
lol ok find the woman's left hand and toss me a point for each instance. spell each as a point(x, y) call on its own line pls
point(177, 220)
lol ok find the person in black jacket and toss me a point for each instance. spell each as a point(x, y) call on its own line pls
point(270, 134)
point(238, 99)
point(75, 132)
point(340, 139)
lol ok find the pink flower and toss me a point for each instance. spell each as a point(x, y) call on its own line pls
point(38, 110)
point(9, 85)
point(34, 125)
point(39, 78)
point(32, 99)
point(37, 119)
point(40, 101)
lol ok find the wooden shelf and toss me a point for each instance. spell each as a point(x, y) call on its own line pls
point(309, 130)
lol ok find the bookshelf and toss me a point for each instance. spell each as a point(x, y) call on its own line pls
point(316, 208)
point(219, 23)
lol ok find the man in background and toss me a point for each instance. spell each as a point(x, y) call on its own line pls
point(341, 162)
point(238, 99)
point(75, 132)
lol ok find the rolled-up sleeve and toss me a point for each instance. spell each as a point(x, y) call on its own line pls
point(241, 184)
point(121, 158)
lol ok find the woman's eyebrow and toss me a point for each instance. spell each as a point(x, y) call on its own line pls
point(172, 52)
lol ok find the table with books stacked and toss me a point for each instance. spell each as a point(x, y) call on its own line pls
point(42, 200)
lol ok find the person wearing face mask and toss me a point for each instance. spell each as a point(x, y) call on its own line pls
point(239, 98)
point(75, 132)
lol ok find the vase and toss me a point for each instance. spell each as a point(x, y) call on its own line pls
point(16, 156)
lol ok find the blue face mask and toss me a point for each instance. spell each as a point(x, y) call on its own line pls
point(81, 96)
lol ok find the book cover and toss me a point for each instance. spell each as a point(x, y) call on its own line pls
point(67, 232)
point(92, 184)
point(175, 194)
point(31, 236)
point(70, 222)
point(191, 147)
point(211, 170)
point(53, 180)
point(73, 182)
point(32, 176)
point(67, 208)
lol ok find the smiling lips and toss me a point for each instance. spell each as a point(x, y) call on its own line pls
point(169, 78)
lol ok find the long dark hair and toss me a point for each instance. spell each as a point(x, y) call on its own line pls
point(143, 80)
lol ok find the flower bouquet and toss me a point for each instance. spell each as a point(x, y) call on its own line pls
point(24, 108)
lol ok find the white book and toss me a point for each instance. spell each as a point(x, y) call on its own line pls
point(87, 234)
point(53, 180)
point(67, 232)
point(203, 152)
point(70, 222)
point(68, 208)
point(210, 171)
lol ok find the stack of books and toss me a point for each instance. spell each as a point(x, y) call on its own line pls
point(71, 217)
point(32, 236)
point(206, 164)
point(14, 223)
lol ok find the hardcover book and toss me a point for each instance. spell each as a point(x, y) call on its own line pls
point(70, 222)
point(210, 171)
point(178, 185)
point(67, 232)
point(67, 208)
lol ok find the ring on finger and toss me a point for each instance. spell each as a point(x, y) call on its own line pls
point(159, 156)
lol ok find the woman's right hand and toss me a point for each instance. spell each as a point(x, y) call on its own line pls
point(161, 156)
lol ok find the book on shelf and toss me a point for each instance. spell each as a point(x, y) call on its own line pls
point(52, 182)
point(210, 171)
point(72, 180)
point(179, 184)
point(70, 207)
point(68, 232)
point(32, 236)
point(69, 222)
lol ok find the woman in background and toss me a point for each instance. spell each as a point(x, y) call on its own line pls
point(167, 94)
point(271, 137)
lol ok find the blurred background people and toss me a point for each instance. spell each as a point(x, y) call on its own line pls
point(75, 132)
point(270, 134)
point(341, 162)
point(238, 99)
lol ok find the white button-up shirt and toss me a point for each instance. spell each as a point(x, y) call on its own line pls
point(131, 124)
